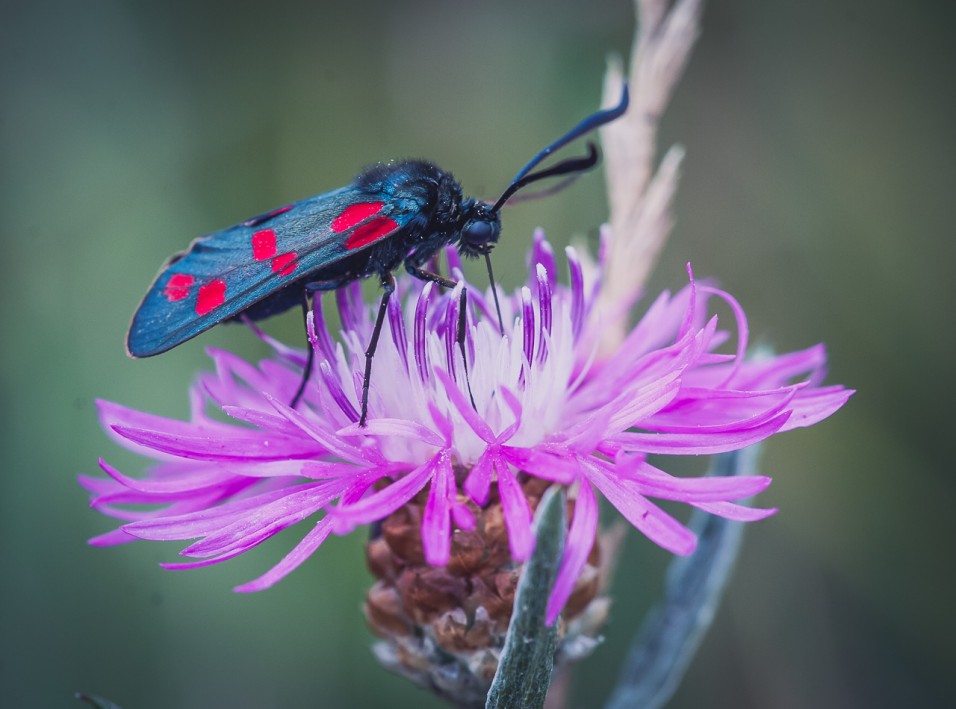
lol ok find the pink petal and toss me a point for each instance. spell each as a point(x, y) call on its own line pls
point(201, 563)
point(699, 443)
point(250, 531)
point(442, 423)
point(653, 522)
point(400, 428)
point(577, 547)
point(720, 410)
point(110, 539)
point(193, 479)
point(332, 443)
point(381, 504)
point(302, 551)
point(558, 466)
point(436, 520)
point(211, 519)
point(652, 482)
point(464, 408)
point(781, 368)
point(262, 419)
point(478, 483)
point(742, 328)
point(740, 513)
point(291, 354)
point(463, 517)
point(517, 513)
point(644, 402)
point(816, 405)
point(236, 445)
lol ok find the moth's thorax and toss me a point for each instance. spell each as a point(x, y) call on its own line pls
point(418, 186)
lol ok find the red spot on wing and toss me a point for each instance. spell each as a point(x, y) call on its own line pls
point(372, 231)
point(354, 214)
point(211, 296)
point(284, 264)
point(263, 244)
point(177, 287)
point(264, 248)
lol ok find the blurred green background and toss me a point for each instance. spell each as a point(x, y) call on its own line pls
point(818, 188)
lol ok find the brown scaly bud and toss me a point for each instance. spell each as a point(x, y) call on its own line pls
point(444, 627)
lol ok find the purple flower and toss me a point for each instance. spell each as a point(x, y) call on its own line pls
point(548, 405)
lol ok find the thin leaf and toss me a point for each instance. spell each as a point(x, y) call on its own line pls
point(524, 671)
point(663, 649)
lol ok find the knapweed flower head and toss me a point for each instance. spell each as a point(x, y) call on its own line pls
point(534, 406)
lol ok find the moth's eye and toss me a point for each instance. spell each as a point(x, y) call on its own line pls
point(479, 232)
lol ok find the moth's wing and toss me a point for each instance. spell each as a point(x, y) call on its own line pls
point(222, 274)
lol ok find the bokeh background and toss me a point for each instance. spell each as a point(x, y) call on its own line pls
point(818, 188)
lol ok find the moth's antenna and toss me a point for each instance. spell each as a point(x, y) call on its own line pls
point(571, 166)
point(547, 192)
point(595, 120)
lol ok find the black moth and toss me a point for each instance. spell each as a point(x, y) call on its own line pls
point(391, 215)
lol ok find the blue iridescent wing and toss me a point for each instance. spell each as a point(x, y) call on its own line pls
point(222, 274)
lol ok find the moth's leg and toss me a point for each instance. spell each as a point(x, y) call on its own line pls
point(424, 275)
point(460, 338)
point(388, 286)
point(309, 290)
point(309, 351)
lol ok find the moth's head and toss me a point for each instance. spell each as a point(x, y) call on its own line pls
point(481, 227)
